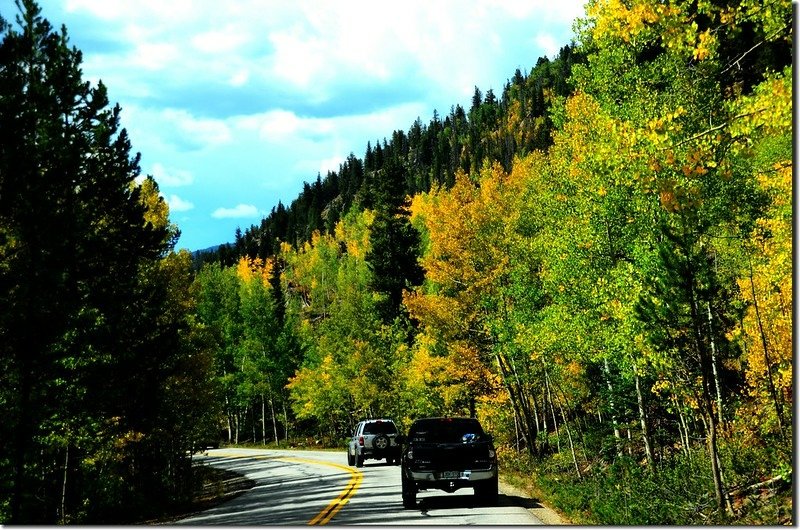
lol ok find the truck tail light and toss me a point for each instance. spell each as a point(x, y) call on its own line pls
point(361, 441)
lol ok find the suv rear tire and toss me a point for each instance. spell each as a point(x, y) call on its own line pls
point(381, 442)
point(350, 459)
point(359, 460)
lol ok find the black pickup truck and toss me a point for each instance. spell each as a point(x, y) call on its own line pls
point(448, 454)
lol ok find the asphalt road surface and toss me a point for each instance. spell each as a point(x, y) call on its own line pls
point(318, 487)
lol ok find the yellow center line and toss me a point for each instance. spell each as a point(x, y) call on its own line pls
point(335, 505)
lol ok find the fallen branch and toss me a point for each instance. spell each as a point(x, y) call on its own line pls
point(766, 484)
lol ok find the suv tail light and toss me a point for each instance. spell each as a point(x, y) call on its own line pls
point(361, 441)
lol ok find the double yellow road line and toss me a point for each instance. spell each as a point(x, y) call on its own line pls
point(335, 505)
point(333, 508)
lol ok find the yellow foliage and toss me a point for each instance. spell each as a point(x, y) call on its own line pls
point(248, 269)
point(674, 23)
point(768, 110)
point(768, 333)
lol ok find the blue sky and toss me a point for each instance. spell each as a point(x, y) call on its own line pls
point(234, 104)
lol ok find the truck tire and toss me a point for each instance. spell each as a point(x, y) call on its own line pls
point(350, 459)
point(409, 491)
point(486, 492)
point(359, 459)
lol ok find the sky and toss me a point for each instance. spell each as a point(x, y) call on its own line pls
point(234, 104)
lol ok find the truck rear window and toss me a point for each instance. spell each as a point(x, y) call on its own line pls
point(446, 430)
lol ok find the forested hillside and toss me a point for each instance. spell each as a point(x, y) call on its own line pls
point(492, 130)
point(597, 263)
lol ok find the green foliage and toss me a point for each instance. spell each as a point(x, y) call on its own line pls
point(255, 350)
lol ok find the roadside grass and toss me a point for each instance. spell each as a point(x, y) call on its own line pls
point(623, 491)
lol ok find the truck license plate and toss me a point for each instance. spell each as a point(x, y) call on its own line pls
point(449, 474)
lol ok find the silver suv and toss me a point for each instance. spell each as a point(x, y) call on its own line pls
point(374, 439)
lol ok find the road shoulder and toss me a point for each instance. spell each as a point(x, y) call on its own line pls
point(545, 514)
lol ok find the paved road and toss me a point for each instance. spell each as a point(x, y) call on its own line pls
point(317, 487)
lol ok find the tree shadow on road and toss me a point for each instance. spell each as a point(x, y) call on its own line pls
point(470, 501)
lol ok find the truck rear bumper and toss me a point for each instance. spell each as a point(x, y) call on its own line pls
point(461, 476)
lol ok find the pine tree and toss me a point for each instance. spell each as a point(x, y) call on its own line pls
point(78, 322)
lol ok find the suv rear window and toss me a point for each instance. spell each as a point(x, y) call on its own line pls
point(444, 430)
point(382, 427)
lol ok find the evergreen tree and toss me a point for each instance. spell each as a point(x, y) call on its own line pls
point(87, 344)
point(394, 243)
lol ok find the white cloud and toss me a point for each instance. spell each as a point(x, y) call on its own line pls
point(239, 78)
point(240, 211)
point(298, 59)
point(285, 126)
point(330, 164)
point(556, 11)
point(204, 131)
point(278, 124)
point(154, 56)
point(176, 204)
point(224, 41)
point(172, 177)
point(548, 44)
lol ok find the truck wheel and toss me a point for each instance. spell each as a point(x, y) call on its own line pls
point(486, 492)
point(409, 490)
point(350, 459)
point(359, 460)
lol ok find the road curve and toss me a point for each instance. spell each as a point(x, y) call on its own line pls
point(318, 488)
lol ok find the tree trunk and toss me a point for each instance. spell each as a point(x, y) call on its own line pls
point(552, 409)
point(680, 435)
point(228, 416)
point(682, 422)
point(544, 417)
point(285, 422)
point(648, 450)
point(64, 487)
point(537, 423)
point(614, 422)
point(569, 437)
point(515, 404)
point(274, 419)
point(716, 469)
point(707, 400)
point(264, 420)
point(717, 385)
point(253, 421)
point(531, 428)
